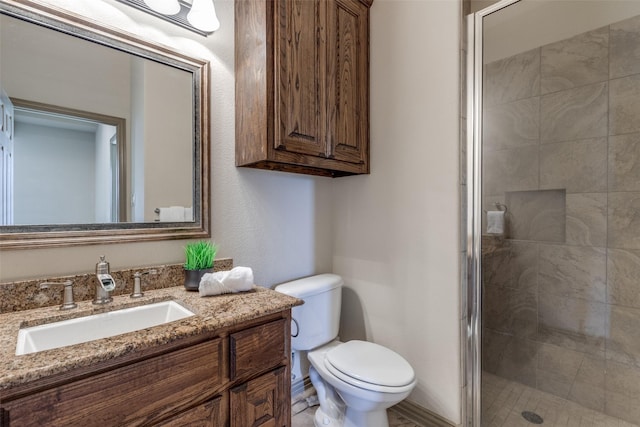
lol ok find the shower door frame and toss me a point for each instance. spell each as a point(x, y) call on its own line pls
point(472, 288)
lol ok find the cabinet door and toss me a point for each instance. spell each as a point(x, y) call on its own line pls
point(300, 67)
point(262, 402)
point(348, 80)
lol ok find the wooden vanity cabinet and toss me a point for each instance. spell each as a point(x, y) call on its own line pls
point(222, 379)
point(302, 85)
point(260, 400)
point(138, 393)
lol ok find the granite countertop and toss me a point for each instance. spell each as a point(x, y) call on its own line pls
point(212, 313)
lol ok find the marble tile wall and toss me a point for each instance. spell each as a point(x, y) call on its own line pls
point(561, 291)
point(537, 215)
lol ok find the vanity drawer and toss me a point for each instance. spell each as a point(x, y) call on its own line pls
point(258, 349)
point(206, 414)
point(137, 394)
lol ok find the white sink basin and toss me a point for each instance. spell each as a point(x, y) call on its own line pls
point(103, 325)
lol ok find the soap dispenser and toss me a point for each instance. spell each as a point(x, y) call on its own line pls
point(106, 284)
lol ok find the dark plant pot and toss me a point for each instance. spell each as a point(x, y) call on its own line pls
point(192, 278)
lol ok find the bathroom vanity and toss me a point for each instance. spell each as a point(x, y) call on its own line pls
point(227, 365)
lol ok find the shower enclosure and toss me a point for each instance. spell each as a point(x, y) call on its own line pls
point(554, 214)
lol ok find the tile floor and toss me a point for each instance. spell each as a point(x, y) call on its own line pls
point(303, 414)
point(305, 419)
point(503, 401)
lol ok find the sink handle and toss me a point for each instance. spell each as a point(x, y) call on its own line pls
point(67, 296)
point(137, 283)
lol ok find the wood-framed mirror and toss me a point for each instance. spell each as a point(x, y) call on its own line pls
point(142, 175)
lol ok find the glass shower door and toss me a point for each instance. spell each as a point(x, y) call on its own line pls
point(560, 213)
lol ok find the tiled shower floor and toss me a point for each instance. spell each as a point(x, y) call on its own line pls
point(503, 401)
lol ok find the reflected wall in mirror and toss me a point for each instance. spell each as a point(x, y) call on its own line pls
point(67, 158)
point(133, 165)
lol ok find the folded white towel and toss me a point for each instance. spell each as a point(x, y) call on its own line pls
point(172, 214)
point(238, 279)
point(188, 214)
point(495, 222)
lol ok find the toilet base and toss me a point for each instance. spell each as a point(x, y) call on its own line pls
point(321, 419)
point(377, 418)
point(352, 419)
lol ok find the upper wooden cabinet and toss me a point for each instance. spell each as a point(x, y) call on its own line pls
point(302, 85)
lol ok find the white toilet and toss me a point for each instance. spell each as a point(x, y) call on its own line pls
point(356, 381)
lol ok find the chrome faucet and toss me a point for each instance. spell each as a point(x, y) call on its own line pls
point(105, 283)
point(67, 298)
point(137, 285)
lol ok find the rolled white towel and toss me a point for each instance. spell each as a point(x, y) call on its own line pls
point(172, 214)
point(238, 279)
point(188, 214)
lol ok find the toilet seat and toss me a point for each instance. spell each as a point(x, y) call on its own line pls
point(370, 366)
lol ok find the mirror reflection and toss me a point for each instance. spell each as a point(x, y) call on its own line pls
point(67, 158)
point(97, 135)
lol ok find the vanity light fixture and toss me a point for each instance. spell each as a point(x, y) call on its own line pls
point(203, 15)
point(198, 16)
point(165, 7)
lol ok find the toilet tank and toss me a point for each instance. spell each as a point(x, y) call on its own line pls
point(316, 322)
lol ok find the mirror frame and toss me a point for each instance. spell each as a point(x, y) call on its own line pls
point(61, 235)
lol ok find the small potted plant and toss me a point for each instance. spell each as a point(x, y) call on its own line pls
point(199, 257)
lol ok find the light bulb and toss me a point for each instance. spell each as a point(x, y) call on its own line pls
point(165, 7)
point(203, 16)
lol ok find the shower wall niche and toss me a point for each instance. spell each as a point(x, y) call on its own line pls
point(561, 288)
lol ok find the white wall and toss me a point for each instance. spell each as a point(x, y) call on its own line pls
point(393, 235)
point(102, 172)
point(137, 141)
point(396, 231)
point(165, 148)
point(530, 24)
point(30, 66)
point(54, 176)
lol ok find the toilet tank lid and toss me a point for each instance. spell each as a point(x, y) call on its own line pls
point(311, 285)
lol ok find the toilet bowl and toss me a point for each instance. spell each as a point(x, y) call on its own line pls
point(356, 381)
point(364, 387)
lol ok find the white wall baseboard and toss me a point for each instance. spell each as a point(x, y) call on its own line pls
point(300, 387)
point(420, 415)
